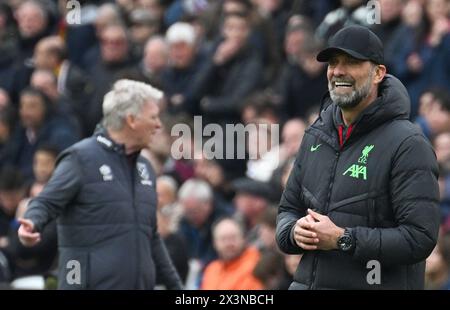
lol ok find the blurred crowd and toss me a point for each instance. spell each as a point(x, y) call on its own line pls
point(229, 61)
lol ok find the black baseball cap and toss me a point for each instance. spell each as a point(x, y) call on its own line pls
point(357, 41)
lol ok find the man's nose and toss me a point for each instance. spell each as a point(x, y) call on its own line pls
point(339, 70)
point(158, 123)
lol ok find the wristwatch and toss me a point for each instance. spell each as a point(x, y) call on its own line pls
point(346, 242)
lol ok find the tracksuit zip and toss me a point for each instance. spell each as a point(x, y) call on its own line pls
point(330, 186)
point(131, 177)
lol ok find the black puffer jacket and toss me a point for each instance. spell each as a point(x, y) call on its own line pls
point(382, 183)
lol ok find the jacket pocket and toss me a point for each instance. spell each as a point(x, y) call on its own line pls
point(73, 269)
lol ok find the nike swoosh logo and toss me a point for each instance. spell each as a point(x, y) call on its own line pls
point(315, 148)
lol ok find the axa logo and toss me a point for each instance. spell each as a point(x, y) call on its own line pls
point(359, 170)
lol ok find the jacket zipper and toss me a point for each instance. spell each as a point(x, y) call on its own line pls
point(136, 224)
point(330, 186)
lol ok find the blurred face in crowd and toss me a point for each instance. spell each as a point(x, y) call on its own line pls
point(229, 240)
point(166, 194)
point(437, 117)
point(442, 147)
point(250, 206)
point(114, 45)
point(106, 15)
point(209, 171)
point(269, 5)
point(126, 5)
point(390, 9)
point(233, 6)
point(43, 165)
point(140, 32)
point(181, 54)
point(10, 199)
point(31, 20)
point(155, 55)
point(196, 211)
point(350, 81)
point(32, 110)
point(144, 126)
point(267, 236)
point(4, 99)
point(153, 6)
point(294, 42)
point(437, 9)
point(45, 81)
point(42, 58)
point(292, 136)
point(236, 29)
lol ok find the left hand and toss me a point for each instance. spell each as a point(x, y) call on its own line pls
point(327, 232)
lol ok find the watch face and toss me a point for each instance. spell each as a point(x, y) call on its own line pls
point(345, 243)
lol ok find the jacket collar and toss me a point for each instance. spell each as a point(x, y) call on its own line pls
point(102, 137)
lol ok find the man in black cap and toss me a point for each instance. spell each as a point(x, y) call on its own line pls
point(361, 203)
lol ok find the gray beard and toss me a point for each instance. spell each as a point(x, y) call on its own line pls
point(354, 98)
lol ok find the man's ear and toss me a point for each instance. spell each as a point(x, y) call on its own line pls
point(380, 73)
point(130, 120)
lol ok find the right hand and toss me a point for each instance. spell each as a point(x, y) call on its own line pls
point(226, 50)
point(303, 236)
point(27, 236)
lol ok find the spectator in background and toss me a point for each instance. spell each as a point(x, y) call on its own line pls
point(290, 266)
point(105, 15)
point(12, 191)
point(437, 271)
point(7, 125)
point(72, 84)
point(168, 215)
point(183, 66)
point(154, 60)
point(252, 199)
point(115, 58)
point(391, 30)
point(217, 177)
point(8, 46)
point(351, 12)
point(233, 270)
point(33, 24)
point(44, 161)
point(302, 84)
point(267, 223)
point(62, 107)
point(38, 125)
point(37, 260)
point(142, 27)
point(277, 13)
point(199, 213)
point(423, 60)
point(261, 105)
point(231, 73)
point(297, 33)
point(292, 136)
point(442, 148)
point(264, 156)
point(434, 113)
